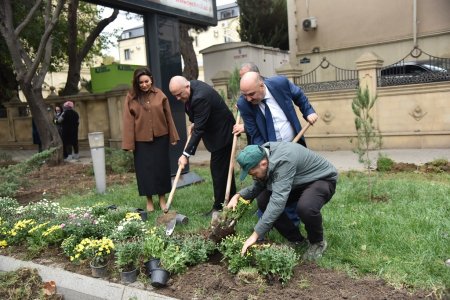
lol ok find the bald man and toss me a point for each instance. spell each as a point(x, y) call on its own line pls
point(266, 106)
point(212, 121)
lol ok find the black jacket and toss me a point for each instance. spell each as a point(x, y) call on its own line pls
point(213, 120)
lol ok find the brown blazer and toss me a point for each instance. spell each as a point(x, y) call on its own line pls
point(142, 123)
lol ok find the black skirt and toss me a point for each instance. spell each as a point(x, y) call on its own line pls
point(152, 165)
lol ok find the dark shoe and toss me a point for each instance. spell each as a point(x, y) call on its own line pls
point(315, 251)
point(210, 213)
point(299, 244)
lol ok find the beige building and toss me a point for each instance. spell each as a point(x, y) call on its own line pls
point(343, 30)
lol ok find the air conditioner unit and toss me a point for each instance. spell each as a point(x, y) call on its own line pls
point(309, 24)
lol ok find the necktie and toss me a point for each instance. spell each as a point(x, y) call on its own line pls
point(269, 123)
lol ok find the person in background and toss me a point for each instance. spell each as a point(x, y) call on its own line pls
point(293, 174)
point(57, 114)
point(248, 67)
point(212, 121)
point(148, 132)
point(69, 120)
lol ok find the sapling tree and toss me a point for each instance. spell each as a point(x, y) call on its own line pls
point(368, 137)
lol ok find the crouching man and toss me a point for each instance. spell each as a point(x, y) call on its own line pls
point(286, 173)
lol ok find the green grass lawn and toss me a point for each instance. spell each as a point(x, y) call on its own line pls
point(404, 239)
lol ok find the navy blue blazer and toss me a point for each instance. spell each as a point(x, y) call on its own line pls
point(285, 93)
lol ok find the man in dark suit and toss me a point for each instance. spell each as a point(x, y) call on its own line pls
point(212, 121)
point(266, 106)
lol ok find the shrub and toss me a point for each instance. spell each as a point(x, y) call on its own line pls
point(384, 163)
point(276, 260)
point(230, 247)
point(153, 245)
point(119, 161)
point(8, 207)
point(127, 254)
point(97, 250)
point(173, 259)
point(197, 249)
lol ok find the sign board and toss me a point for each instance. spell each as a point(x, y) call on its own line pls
point(199, 12)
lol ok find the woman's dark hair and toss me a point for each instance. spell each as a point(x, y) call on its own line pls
point(139, 95)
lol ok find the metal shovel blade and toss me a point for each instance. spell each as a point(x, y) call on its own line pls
point(170, 227)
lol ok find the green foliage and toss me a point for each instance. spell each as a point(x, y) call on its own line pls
point(264, 22)
point(97, 250)
point(234, 89)
point(276, 260)
point(13, 177)
point(118, 161)
point(153, 244)
point(197, 249)
point(8, 207)
point(127, 254)
point(128, 228)
point(230, 247)
point(173, 259)
point(368, 137)
point(384, 163)
point(68, 245)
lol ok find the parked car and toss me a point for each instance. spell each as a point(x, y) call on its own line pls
point(411, 72)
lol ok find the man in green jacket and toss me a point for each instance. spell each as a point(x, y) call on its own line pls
point(288, 172)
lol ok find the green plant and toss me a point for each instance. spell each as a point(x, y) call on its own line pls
point(129, 228)
point(153, 244)
point(127, 254)
point(40, 211)
point(230, 247)
point(118, 161)
point(173, 259)
point(8, 207)
point(20, 231)
point(234, 88)
point(97, 250)
point(384, 163)
point(197, 249)
point(368, 137)
point(275, 260)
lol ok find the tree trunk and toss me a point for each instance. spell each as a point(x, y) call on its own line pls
point(78, 54)
point(48, 132)
point(190, 70)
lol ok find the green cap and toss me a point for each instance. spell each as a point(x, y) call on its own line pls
point(249, 158)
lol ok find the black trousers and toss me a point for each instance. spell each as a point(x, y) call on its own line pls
point(219, 165)
point(310, 200)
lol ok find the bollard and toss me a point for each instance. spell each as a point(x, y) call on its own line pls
point(97, 145)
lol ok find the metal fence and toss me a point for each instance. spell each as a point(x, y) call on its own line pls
point(416, 67)
point(344, 79)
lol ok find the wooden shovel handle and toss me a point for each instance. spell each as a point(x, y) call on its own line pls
point(231, 168)
point(175, 181)
point(301, 133)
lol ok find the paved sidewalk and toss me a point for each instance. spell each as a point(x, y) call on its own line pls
point(342, 160)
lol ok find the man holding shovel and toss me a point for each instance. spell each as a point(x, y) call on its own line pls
point(292, 174)
point(212, 121)
point(266, 106)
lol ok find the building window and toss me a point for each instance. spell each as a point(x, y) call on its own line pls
point(127, 54)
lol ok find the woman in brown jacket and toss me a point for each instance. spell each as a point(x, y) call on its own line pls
point(148, 129)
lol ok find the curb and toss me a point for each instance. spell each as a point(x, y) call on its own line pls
point(75, 286)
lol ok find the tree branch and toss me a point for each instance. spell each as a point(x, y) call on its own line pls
point(50, 22)
point(95, 33)
point(27, 18)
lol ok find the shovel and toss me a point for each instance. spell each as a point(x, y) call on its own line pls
point(170, 218)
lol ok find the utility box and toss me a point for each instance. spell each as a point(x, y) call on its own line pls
point(107, 77)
